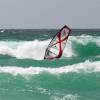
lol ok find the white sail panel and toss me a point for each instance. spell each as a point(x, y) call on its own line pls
point(57, 44)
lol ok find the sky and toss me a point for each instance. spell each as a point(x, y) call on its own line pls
point(49, 13)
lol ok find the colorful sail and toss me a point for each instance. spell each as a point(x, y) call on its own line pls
point(57, 44)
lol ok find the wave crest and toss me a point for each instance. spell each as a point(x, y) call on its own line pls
point(76, 46)
point(86, 67)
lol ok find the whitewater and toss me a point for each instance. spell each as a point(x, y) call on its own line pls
point(36, 49)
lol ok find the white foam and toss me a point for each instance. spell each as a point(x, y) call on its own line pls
point(66, 97)
point(36, 49)
point(33, 49)
point(29, 49)
point(24, 49)
point(85, 67)
point(2, 30)
point(85, 39)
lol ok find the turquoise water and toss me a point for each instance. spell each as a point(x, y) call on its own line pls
point(24, 75)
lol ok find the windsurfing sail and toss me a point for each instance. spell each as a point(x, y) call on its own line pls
point(57, 44)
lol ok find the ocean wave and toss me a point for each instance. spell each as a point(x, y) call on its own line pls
point(85, 67)
point(85, 39)
point(76, 46)
point(27, 49)
point(24, 49)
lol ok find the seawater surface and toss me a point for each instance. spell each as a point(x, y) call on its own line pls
point(25, 75)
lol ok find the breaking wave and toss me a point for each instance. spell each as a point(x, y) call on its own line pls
point(76, 46)
point(85, 67)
